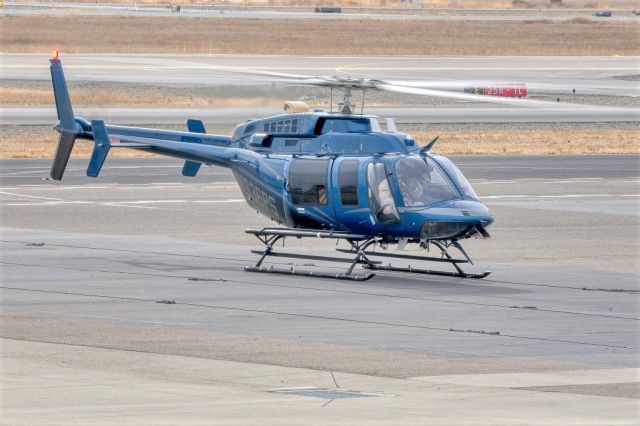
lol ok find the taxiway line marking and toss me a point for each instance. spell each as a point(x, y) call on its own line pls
point(30, 196)
point(497, 197)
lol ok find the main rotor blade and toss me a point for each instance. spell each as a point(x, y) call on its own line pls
point(473, 98)
point(531, 86)
point(424, 87)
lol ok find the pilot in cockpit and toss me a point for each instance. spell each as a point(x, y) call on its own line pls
point(413, 179)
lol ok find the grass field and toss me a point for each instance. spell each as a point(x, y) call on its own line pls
point(103, 97)
point(458, 4)
point(451, 142)
point(118, 34)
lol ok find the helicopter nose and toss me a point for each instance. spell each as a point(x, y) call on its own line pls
point(482, 213)
point(455, 219)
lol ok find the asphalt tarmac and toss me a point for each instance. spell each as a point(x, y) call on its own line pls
point(550, 337)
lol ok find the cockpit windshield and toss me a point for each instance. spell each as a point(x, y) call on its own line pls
point(423, 183)
point(463, 184)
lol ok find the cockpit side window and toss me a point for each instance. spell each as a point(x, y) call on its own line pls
point(422, 182)
point(381, 200)
point(308, 181)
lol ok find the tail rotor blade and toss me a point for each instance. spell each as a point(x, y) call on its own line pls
point(65, 145)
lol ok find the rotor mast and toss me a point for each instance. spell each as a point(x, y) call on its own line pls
point(346, 101)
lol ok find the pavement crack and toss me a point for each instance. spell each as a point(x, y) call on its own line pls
point(326, 317)
point(362, 293)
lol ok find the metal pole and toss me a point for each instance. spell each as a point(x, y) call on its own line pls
point(362, 106)
point(331, 102)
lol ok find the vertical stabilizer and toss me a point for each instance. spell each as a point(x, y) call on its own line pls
point(67, 122)
point(191, 168)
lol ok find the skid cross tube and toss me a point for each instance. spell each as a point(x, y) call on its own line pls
point(270, 236)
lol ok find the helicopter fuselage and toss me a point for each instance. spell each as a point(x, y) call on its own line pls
point(352, 177)
point(322, 171)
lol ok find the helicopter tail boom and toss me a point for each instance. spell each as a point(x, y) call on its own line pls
point(194, 146)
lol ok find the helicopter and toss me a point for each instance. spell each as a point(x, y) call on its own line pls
point(317, 174)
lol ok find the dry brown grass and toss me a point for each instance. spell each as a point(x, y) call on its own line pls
point(457, 4)
point(23, 146)
point(317, 37)
point(580, 20)
point(543, 142)
point(451, 142)
point(84, 97)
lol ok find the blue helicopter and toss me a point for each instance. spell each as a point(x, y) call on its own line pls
point(318, 175)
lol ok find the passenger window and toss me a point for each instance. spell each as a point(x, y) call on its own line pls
point(348, 179)
point(280, 126)
point(287, 126)
point(294, 126)
point(342, 125)
point(273, 127)
point(308, 181)
point(266, 127)
point(381, 200)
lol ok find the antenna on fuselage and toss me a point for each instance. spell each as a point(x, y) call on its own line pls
point(430, 145)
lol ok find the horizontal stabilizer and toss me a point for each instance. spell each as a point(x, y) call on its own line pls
point(100, 149)
point(195, 126)
point(191, 168)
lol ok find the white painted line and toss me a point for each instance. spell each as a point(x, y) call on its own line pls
point(498, 197)
point(133, 207)
point(21, 173)
point(237, 200)
point(48, 203)
point(30, 196)
point(133, 204)
point(142, 167)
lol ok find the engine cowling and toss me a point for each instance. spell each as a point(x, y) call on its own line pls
point(296, 106)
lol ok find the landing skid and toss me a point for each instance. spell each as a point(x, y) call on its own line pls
point(359, 245)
